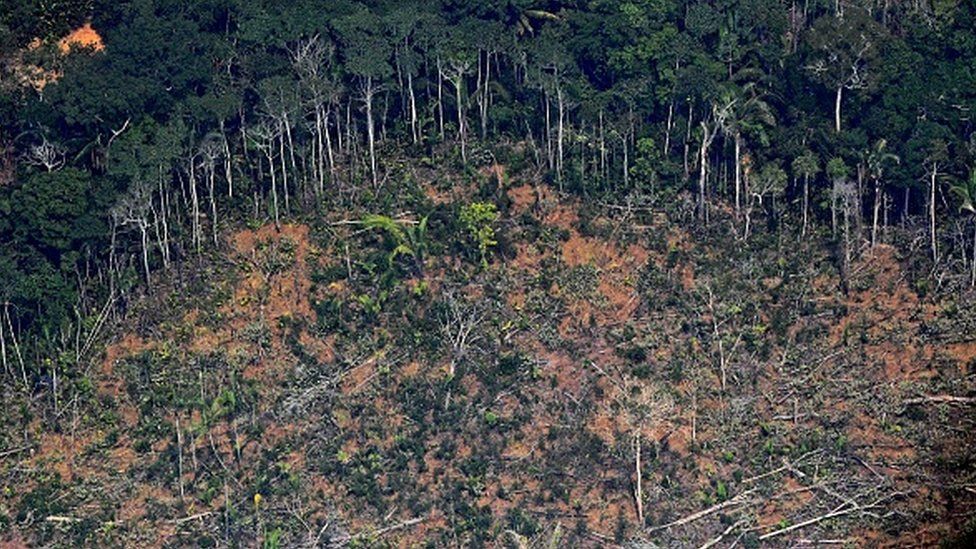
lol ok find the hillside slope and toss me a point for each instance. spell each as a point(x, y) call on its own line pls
point(307, 386)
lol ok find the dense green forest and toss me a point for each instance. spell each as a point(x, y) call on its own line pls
point(829, 138)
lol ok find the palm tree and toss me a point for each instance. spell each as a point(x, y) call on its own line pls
point(966, 190)
point(408, 238)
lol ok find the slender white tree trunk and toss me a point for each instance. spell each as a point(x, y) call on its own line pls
point(738, 173)
point(370, 132)
point(934, 242)
point(806, 204)
point(143, 229)
point(559, 136)
point(837, 101)
point(638, 492)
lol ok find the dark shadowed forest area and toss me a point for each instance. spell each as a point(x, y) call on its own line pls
point(488, 273)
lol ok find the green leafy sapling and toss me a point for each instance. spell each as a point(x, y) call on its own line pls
point(477, 219)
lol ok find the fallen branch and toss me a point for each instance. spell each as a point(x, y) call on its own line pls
point(13, 451)
point(939, 399)
point(787, 465)
point(60, 519)
point(192, 517)
point(381, 531)
point(737, 500)
point(840, 511)
point(717, 539)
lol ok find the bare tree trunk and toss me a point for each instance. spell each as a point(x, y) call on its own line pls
point(833, 211)
point(549, 155)
point(837, 101)
point(368, 96)
point(319, 156)
point(972, 274)
point(638, 493)
point(274, 185)
point(703, 169)
point(458, 82)
point(603, 150)
point(626, 163)
point(3, 352)
point(211, 185)
point(738, 173)
point(559, 137)
point(328, 147)
point(876, 212)
point(440, 97)
point(228, 173)
point(164, 210)
point(933, 241)
point(668, 126)
point(195, 206)
point(688, 141)
point(284, 166)
point(413, 109)
point(806, 204)
point(16, 345)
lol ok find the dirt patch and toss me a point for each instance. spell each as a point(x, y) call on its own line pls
point(84, 37)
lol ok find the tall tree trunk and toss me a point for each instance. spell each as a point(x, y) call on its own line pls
point(284, 166)
point(274, 185)
point(549, 155)
point(559, 137)
point(638, 492)
point(688, 140)
point(440, 97)
point(806, 204)
point(972, 274)
point(319, 149)
point(227, 162)
point(144, 233)
point(626, 163)
point(458, 82)
point(211, 186)
point(604, 171)
point(328, 146)
point(738, 173)
point(195, 206)
point(413, 109)
point(875, 213)
point(369, 128)
point(164, 220)
point(933, 241)
point(703, 169)
point(837, 100)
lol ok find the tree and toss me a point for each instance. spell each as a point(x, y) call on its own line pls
point(936, 157)
point(768, 182)
point(310, 59)
point(454, 64)
point(749, 114)
point(720, 113)
point(842, 52)
point(966, 191)
point(806, 165)
point(845, 192)
point(133, 209)
point(876, 159)
point(477, 219)
point(640, 406)
point(409, 238)
point(366, 54)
